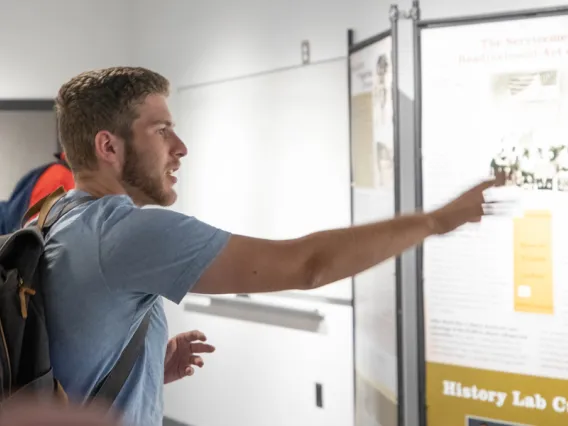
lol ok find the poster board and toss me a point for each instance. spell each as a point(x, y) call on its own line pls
point(373, 196)
point(494, 96)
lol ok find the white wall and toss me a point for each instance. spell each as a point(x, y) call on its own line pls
point(195, 42)
point(43, 43)
point(268, 156)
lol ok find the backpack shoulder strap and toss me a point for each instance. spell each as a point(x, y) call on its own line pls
point(110, 386)
point(64, 210)
point(46, 204)
point(43, 207)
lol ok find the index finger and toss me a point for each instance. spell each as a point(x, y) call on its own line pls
point(194, 335)
point(498, 180)
point(202, 348)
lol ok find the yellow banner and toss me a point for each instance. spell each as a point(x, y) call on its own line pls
point(533, 263)
point(460, 396)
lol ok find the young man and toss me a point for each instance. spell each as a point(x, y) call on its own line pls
point(109, 261)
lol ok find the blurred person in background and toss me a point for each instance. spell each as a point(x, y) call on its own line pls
point(23, 412)
point(35, 185)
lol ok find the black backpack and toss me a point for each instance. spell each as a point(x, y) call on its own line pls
point(25, 367)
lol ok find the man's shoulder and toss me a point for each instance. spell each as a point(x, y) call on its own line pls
point(116, 216)
point(90, 214)
point(112, 207)
point(102, 206)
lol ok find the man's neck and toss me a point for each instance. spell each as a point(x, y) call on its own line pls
point(100, 187)
point(97, 187)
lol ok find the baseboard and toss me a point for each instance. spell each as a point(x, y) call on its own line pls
point(170, 422)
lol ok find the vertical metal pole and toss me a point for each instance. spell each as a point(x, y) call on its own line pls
point(394, 16)
point(350, 42)
point(416, 41)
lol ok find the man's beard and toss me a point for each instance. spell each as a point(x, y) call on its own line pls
point(147, 189)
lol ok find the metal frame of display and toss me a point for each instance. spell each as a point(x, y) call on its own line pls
point(39, 105)
point(26, 104)
point(418, 26)
point(353, 48)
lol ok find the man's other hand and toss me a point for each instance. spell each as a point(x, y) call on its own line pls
point(181, 355)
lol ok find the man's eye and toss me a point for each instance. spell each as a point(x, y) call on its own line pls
point(163, 132)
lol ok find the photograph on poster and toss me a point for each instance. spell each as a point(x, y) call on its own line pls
point(383, 111)
point(475, 421)
point(529, 156)
point(372, 112)
point(372, 148)
point(496, 293)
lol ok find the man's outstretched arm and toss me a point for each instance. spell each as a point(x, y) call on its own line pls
point(251, 265)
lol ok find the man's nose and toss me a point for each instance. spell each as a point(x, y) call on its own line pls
point(180, 148)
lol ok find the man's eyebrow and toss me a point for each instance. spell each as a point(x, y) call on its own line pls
point(168, 123)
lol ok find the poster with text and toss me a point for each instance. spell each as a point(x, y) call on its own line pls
point(495, 99)
point(372, 144)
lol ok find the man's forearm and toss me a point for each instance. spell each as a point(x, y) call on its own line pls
point(341, 253)
point(251, 265)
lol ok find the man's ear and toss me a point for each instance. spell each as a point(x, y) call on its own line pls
point(109, 148)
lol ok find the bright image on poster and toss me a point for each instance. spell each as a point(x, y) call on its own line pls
point(495, 98)
point(372, 142)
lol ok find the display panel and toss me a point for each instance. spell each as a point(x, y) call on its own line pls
point(495, 98)
point(373, 172)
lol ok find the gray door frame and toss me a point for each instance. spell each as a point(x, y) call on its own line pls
point(31, 105)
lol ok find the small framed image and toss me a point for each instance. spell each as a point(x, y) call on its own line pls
point(481, 421)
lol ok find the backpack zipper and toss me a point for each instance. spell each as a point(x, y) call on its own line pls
point(23, 291)
point(7, 359)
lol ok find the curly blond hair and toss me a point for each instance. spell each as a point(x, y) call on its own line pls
point(104, 99)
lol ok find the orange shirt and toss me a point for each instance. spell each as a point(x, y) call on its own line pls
point(55, 176)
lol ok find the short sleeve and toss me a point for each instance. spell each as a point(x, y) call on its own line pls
point(156, 251)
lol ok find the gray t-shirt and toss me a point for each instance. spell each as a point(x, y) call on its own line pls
point(107, 263)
